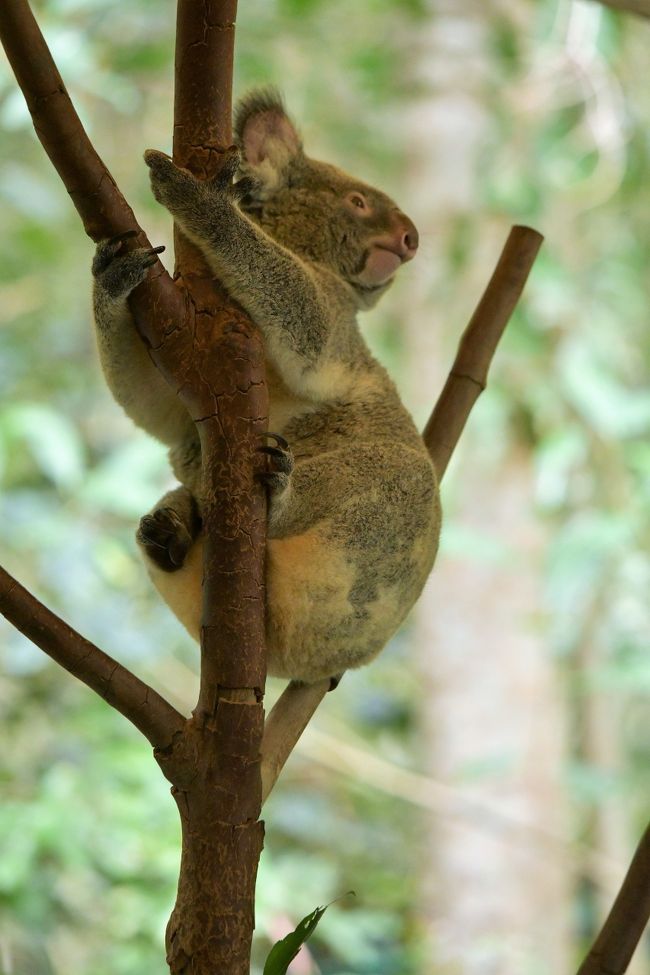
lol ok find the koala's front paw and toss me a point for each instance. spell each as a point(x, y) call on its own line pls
point(175, 188)
point(118, 272)
point(280, 464)
point(165, 538)
point(186, 196)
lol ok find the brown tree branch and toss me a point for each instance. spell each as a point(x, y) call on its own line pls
point(639, 7)
point(158, 305)
point(468, 376)
point(466, 381)
point(215, 768)
point(613, 949)
point(285, 724)
point(151, 714)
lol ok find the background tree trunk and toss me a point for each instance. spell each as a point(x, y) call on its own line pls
point(502, 751)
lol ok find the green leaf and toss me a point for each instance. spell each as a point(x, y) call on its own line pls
point(283, 952)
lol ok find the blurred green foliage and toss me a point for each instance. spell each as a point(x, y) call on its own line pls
point(88, 831)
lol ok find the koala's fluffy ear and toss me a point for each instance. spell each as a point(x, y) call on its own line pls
point(266, 136)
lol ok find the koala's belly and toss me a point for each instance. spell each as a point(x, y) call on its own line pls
point(318, 621)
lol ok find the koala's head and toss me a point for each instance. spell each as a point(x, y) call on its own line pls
point(315, 209)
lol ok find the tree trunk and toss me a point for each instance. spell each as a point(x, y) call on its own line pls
point(211, 926)
point(215, 771)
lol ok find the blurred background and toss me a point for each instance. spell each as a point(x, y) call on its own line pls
point(481, 786)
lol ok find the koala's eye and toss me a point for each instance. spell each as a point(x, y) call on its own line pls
point(357, 202)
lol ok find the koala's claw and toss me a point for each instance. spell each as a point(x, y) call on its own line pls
point(108, 248)
point(280, 463)
point(117, 271)
point(165, 539)
point(125, 235)
point(150, 255)
point(229, 163)
point(280, 441)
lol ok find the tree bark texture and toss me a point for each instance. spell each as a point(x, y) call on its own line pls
point(215, 767)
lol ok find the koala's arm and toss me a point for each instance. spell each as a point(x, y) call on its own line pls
point(130, 374)
point(303, 312)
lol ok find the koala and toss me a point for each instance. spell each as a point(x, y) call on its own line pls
point(354, 513)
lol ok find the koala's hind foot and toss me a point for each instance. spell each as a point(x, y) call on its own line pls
point(167, 533)
point(116, 271)
point(280, 464)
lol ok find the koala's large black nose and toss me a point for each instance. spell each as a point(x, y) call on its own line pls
point(410, 237)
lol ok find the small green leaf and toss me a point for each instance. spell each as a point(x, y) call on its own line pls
point(283, 952)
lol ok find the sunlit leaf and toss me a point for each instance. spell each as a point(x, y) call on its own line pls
point(283, 952)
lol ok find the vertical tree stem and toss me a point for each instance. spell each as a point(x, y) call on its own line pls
point(216, 774)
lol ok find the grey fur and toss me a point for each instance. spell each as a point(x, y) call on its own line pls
point(354, 512)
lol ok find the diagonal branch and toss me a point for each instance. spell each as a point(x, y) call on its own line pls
point(285, 724)
point(145, 708)
point(104, 212)
point(468, 376)
point(639, 7)
point(613, 949)
point(467, 379)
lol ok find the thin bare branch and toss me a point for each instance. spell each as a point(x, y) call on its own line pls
point(285, 724)
point(145, 708)
point(467, 379)
point(158, 305)
point(639, 7)
point(468, 376)
point(613, 949)
point(57, 125)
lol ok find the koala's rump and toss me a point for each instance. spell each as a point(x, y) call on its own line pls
point(335, 592)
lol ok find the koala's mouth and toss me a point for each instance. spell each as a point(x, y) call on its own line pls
point(378, 267)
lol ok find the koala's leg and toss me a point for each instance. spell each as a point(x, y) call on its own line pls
point(182, 589)
point(132, 377)
point(277, 478)
point(167, 533)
